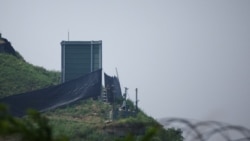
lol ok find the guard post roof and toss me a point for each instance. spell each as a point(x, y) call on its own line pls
point(81, 42)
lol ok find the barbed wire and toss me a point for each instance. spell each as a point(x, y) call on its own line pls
point(207, 130)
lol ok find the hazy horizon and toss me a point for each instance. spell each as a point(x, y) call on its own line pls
point(188, 59)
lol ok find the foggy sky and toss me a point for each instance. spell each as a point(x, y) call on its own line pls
point(189, 59)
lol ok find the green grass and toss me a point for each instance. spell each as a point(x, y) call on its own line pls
point(18, 76)
point(59, 125)
point(84, 120)
point(32, 127)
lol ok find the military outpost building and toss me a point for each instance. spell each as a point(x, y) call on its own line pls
point(80, 58)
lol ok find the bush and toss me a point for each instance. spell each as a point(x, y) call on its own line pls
point(33, 127)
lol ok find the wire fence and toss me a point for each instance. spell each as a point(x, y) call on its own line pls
point(207, 130)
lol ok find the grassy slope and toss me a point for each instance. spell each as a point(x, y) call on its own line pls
point(18, 76)
point(84, 120)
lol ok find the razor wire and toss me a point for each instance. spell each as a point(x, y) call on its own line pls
point(207, 130)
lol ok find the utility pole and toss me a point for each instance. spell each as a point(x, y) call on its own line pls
point(136, 100)
point(117, 73)
point(113, 104)
point(125, 94)
point(124, 99)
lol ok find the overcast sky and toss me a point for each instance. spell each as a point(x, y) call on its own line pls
point(189, 59)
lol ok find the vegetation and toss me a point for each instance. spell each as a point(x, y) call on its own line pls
point(90, 120)
point(33, 127)
point(77, 122)
point(18, 76)
point(84, 120)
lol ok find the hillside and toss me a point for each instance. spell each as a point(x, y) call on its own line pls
point(90, 120)
point(18, 76)
point(85, 120)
